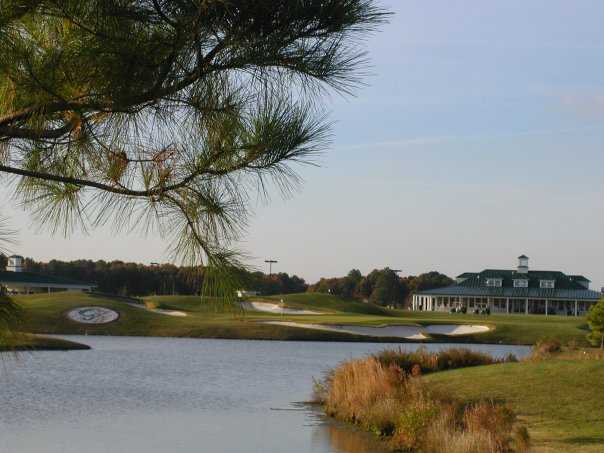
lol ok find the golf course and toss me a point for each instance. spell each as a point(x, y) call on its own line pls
point(286, 317)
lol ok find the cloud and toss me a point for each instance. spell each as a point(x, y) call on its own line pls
point(584, 104)
point(446, 139)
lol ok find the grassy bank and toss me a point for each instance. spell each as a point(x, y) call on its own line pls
point(560, 399)
point(46, 314)
point(385, 394)
point(414, 403)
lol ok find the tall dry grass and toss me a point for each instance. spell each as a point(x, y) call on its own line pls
point(428, 362)
point(380, 396)
point(551, 348)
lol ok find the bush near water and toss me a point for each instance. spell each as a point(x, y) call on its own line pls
point(384, 394)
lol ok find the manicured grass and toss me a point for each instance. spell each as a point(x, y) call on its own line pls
point(560, 400)
point(45, 313)
point(510, 329)
point(325, 303)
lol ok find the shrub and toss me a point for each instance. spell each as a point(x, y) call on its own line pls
point(356, 386)
point(380, 394)
point(429, 362)
point(497, 420)
point(545, 348)
point(521, 439)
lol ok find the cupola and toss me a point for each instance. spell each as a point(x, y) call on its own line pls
point(15, 263)
point(523, 264)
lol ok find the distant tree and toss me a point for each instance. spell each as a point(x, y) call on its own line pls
point(381, 286)
point(429, 280)
point(327, 286)
point(388, 289)
point(350, 284)
point(595, 319)
point(365, 288)
point(134, 279)
point(164, 115)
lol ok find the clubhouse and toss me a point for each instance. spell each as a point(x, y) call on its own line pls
point(520, 291)
point(16, 281)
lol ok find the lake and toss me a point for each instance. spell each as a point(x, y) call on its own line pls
point(147, 395)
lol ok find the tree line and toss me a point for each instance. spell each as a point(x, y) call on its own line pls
point(380, 286)
point(135, 279)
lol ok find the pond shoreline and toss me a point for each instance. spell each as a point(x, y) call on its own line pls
point(28, 343)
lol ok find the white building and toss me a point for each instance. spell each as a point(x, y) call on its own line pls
point(519, 291)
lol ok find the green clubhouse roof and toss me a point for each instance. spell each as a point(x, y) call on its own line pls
point(475, 284)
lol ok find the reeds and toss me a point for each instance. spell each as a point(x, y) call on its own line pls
point(424, 361)
point(380, 396)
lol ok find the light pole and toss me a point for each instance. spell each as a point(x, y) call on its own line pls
point(396, 272)
point(270, 266)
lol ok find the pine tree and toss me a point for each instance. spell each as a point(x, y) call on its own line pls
point(169, 115)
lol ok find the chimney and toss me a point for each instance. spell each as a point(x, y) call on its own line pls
point(523, 264)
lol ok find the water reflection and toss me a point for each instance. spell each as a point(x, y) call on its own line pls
point(342, 438)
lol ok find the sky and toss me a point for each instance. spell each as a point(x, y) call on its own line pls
point(477, 138)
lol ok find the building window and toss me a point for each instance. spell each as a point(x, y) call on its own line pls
point(494, 282)
point(547, 284)
point(521, 283)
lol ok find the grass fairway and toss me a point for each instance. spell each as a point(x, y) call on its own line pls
point(45, 313)
point(327, 303)
point(562, 401)
point(510, 329)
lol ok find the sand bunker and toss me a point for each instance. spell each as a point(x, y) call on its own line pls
point(159, 311)
point(268, 307)
point(406, 332)
point(454, 330)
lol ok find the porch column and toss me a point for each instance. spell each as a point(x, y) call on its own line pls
point(507, 305)
point(546, 308)
point(576, 308)
point(526, 306)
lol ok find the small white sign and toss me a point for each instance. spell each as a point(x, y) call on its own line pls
point(93, 315)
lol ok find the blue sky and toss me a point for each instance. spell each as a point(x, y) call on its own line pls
point(478, 138)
